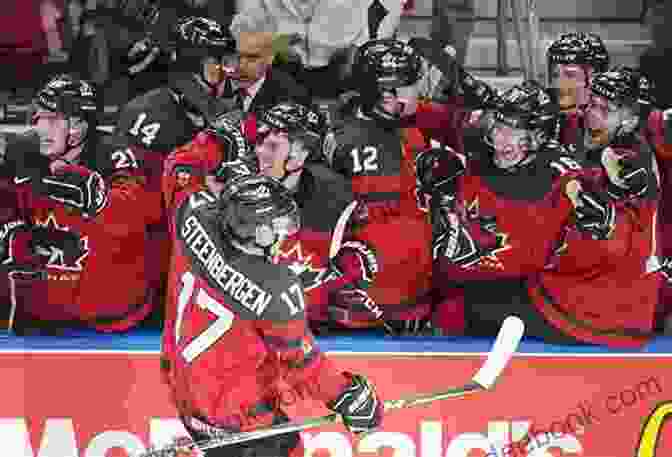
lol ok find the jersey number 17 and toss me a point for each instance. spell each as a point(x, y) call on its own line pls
point(204, 301)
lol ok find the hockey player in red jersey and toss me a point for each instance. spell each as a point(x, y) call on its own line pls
point(83, 204)
point(235, 323)
point(157, 122)
point(377, 154)
point(291, 139)
point(523, 230)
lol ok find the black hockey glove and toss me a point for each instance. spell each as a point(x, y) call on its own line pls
point(477, 94)
point(595, 213)
point(18, 250)
point(451, 238)
point(436, 170)
point(359, 405)
point(628, 175)
point(76, 187)
point(357, 260)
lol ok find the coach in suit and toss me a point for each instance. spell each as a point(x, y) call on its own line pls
point(259, 84)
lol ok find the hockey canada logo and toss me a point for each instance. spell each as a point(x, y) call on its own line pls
point(66, 252)
point(489, 224)
point(301, 263)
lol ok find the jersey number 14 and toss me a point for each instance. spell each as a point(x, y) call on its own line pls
point(203, 300)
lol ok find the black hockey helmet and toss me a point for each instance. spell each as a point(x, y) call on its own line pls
point(579, 48)
point(260, 210)
point(620, 85)
point(527, 105)
point(305, 123)
point(625, 86)
point(70, 96)
point(143, 12)
point(387, 63)
point(236, 157)
point(202, 37)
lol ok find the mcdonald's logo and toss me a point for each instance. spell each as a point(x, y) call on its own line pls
point(653, 429)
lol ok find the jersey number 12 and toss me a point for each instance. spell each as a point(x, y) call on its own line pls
point(203, 300)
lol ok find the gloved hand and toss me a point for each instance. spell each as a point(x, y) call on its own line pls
point(436, 170)
point(451, 238)
point(359, 405)
point(357, 261)
point(627, 173)
point(595, 213)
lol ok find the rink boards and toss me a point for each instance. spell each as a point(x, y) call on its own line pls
point(91, 395)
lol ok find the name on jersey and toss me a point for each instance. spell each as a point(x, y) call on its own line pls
point(234, 283)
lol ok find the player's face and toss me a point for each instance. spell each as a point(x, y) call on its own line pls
point(273, 150)
point(511, 145)
point(602, 118)
point(400, 101)
point(52, 129)
point(571, 81)
point(255, 50)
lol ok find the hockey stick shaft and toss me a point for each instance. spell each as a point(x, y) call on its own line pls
point(500, 355)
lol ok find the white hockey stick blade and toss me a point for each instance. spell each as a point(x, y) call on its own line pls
point(339, 230)
point(502, 351)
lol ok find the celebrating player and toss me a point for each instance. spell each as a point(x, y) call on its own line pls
point(291, 139)
point(157, 122)
point(377, 154)
point(84, 204)
point(523, 231)
point(235, 322)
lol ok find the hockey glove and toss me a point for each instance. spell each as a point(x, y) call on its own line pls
point(76, 187)
point(595, 213)
point(628, 175)
point(359, 405)
point(356, 260)
point(451, 239)
point(436, 170)
point(18, 250)
point(352, 307)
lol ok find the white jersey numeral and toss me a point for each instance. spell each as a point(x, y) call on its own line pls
point(204, 301)
point(148, 131)
point(366, 160)
point(124, 158)
point(300, 304)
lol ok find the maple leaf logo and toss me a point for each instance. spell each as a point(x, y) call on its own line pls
point(62, 255)
point(489, 224)
point(292, 254)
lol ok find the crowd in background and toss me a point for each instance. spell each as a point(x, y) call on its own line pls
point(110, 47)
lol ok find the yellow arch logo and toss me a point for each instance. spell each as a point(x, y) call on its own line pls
point(653, 427)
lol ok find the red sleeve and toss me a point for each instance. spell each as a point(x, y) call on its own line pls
point(659, 133)
point(443, 122)
point(186, 167)
point(305, 367)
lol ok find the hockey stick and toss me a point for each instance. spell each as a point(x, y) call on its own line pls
point(502, 351)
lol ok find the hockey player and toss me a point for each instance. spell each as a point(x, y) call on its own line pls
point(83, 208)
point(157, 122)
point(525, 223)
point(290, 145)
point(572, 60)
point(377, 154)
point(235, 323)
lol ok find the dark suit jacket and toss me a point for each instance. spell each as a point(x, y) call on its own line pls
point(278, 87)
